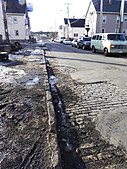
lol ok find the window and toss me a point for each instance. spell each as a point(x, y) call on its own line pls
point(97, 38)
point(117, 19)
point(15, 21)
point(125, 18)
point(100, 37)
point(103, 30)
point(75, 34)
point(116, 37)
point(94, 37)
point(104, 19)
point(16, 33)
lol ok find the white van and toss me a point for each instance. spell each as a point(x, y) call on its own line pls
point(109, 43)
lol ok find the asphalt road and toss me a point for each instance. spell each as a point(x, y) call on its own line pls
point(91, 67)
point(94, 91)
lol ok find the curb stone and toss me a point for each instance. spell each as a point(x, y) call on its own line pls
point(55, 152)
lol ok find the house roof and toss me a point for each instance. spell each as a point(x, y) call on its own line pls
point(107, 7)
point(75, 22)
point(13, 6)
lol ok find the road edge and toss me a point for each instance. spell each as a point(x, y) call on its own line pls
point(53, 142)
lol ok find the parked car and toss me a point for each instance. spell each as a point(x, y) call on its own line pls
point(52, 39)
point(74, 42)
point(67, 42)
point(61, 39)
point(56, 39)
point(109, 43)
point(84, 42)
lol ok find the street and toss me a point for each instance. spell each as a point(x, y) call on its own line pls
point(63, 104)
point(93, 90)
point(65, 109)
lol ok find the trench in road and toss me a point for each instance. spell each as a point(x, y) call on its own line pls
point(66, 136)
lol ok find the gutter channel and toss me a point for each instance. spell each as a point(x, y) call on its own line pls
point(65, 136)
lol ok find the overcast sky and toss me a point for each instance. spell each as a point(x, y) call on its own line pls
point(47, 15)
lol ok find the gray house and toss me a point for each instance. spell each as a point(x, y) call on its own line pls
point(105, 18)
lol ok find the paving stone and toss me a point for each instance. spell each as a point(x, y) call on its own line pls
point(91, 101)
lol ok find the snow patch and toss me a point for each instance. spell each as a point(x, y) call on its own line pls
point(52, 80)
point(36, 52)
point(33, 81)
point(10, 75)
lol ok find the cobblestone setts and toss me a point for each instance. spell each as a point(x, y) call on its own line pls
point(83, 103)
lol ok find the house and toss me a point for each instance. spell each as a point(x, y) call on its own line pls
point(61, 31)
point(105, 18)
point(74, 27)
point(16, 19)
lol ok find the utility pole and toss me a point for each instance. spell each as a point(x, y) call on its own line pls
point(67, 4)
point(101, 14)
point(5, 21)
point(121, 16)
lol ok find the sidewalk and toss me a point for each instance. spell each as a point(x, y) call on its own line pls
point(27, 123)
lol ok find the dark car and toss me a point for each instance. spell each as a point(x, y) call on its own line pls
point(84, 42)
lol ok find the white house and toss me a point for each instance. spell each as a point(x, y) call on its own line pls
point(16, 21)
point(74, 27)
point(61, 31)
point(16, 26)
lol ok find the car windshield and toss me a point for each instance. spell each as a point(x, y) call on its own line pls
point(116, 37)
point(87, 39)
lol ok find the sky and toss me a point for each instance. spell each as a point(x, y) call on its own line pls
point(48, 15)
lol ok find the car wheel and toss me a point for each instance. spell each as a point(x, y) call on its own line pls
point(106, 52)
point(93, 49)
